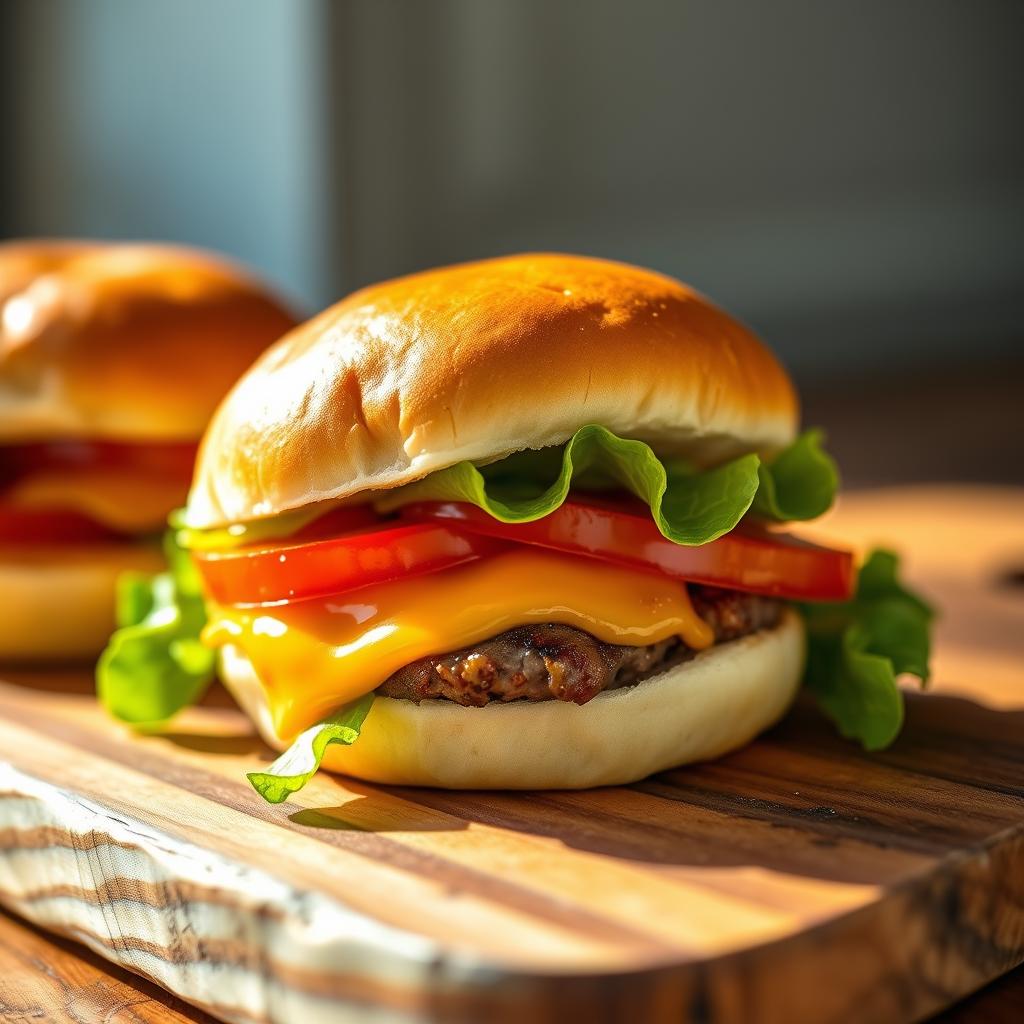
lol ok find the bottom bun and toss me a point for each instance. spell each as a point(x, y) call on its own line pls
point(61, 605)
point(704, 707)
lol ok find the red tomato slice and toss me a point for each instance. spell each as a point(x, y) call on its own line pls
point(50, 526)
point(29, 525)
point(297, 570)
point(346, 519)
point(758, 561)
point(170, 458)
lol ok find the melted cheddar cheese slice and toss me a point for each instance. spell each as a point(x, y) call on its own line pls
point(314, 656)
point(132, 502)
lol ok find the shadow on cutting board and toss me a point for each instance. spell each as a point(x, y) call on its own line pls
point(70, 678)
point(249, 745)
point(355, 815)
point(800, 801)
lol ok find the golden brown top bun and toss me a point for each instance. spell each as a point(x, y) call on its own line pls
point(123, 341)
point(477, 361)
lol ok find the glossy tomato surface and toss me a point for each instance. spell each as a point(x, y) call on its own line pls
point(22, 525)
point(30, 524)
point(758, 561)
point(167, 458)
point(303, 568)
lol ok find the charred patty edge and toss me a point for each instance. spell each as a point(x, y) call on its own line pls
point(552, 661)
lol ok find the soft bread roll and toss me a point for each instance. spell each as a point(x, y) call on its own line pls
point(478, 361)
point(700, 709)
point(116, 342)
point(121, 341)
point(22, 262)
point(61, 599)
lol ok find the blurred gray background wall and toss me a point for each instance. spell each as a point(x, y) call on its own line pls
point(847, 176)
point(180, 119)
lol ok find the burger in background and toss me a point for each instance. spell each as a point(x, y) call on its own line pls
point(515, 524)
point(112, 359)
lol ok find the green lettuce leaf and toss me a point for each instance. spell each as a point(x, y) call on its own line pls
point(857, 649)
point(691, 507)
point(154, 664)
point(301, 761)
point(239, 534)
point(799, 483)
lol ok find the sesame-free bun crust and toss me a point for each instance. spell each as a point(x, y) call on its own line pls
point(61, 605)
point(700, 709)
point(123, 342)
point(477, 361)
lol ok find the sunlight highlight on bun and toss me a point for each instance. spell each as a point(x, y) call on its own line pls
point(125, 342)
point(480, 360)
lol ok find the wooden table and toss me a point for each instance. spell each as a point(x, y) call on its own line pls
point(47, 978)
point(965, 546)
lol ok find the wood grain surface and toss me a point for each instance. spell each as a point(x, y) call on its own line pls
point(43, 978)
point(798, 879)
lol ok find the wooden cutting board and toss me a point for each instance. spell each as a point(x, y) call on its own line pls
point(798, 879)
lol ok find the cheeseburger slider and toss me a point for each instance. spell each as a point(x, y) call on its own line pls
point(516, 524)
point(112, 358)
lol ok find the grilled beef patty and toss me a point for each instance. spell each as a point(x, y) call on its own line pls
point(553, 662)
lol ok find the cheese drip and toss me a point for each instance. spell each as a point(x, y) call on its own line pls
point(314, 656)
